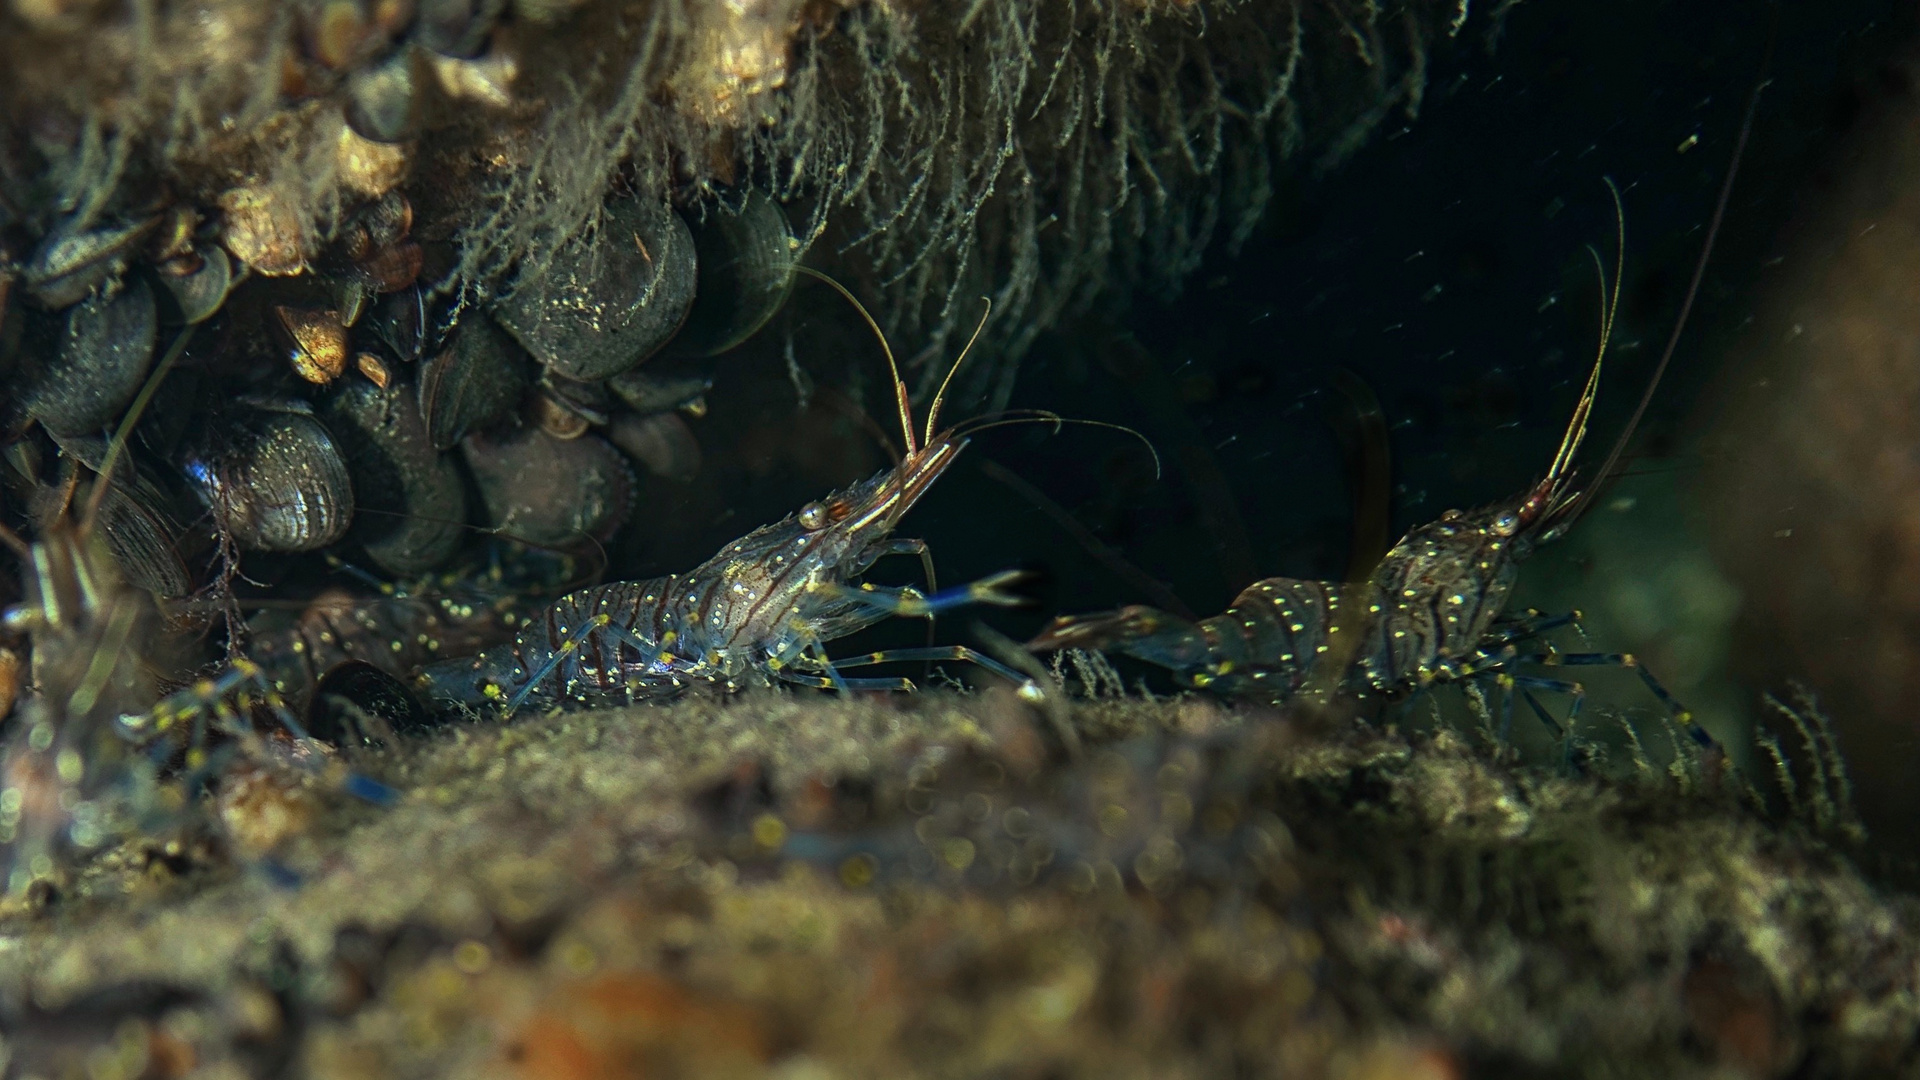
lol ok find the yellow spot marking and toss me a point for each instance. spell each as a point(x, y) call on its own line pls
point(857, 872)
point(769, 832)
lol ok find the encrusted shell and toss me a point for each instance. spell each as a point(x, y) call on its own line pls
point(104, 349)
point(611, 298)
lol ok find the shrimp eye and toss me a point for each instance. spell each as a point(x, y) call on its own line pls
point(813, 516)
point(1506, 524)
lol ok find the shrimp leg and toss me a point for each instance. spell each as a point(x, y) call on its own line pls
point(911, 603)
point(938, 652)
point(822, 682)
point(598, 623)
point(1681, 714)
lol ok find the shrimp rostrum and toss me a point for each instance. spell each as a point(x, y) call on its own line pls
point(1431, 612)
point(757, 613)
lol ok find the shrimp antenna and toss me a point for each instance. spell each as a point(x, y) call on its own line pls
point(899, 386)
point(104, 476)
point(1609, 304)
point(1012, 417)
point(940, 396)
point(1580, 501)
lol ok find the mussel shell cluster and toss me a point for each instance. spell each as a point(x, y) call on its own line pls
point(350, 408)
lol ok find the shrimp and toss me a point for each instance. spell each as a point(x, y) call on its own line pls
point(1432, 610)
point(759, 612)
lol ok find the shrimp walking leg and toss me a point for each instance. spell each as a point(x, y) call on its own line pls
point(569, 650)
point(1680, 713)
point(911, 603)
point(842, 685)
point(957, 653)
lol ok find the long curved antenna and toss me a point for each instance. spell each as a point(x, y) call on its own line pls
point(1610, 305)
point(1580, 501)
point(899, 386)
point(1041, 416)
point(940, 396)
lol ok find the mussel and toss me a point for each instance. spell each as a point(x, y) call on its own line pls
point(145, 536)
point(263, 229)
point(412, 506)
point(380, 224)
point(610, 298)
point(316, 341)
point(566, 408)
point(550, 492)
point(275, 480)
point(476, 380)
point(369, 168)
point(652, 390)
point(72, 262)
point(100, 358)
point(139, 520)
point(484, 80)
point(357, 704)
point(747, 255)
point(198, 283)
point(558, 418)
point(662, 442)
point(402, 322)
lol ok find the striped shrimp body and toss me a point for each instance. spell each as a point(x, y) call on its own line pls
point(759, 612)
point(1432, 612)
point(1428, 613)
